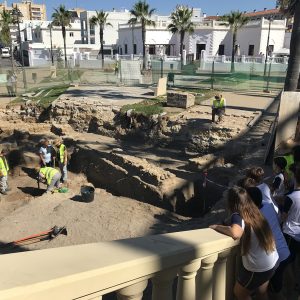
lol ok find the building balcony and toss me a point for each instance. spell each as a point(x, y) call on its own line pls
point(200, 262)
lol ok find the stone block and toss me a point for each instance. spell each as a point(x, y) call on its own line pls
point(206, 162)
point(181, 100)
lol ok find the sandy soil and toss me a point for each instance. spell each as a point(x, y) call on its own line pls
point(107, 218)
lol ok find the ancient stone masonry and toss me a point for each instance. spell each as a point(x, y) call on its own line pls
point(25, 112)
point(133, 177)
point(182, 100)
point(84, 114)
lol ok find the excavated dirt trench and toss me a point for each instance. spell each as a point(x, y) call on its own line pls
point(179, 191)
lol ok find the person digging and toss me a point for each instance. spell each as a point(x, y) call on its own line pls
point(51, 177)
point(218, 108)
point(4, 169)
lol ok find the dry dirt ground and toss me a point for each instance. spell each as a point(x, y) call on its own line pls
point(106, 218)
point(24, 212)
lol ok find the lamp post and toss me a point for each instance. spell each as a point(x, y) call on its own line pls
point(16, 13)
point(268, 45)
point(51, 46)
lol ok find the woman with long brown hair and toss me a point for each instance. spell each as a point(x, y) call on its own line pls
point(259, 255)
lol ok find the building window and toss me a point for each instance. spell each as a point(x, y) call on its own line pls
point(270, 49)
point(152, 49)
point(221, 50)
point(92, 40)
point(168, 50)
point(92, 29)
point(71, 34)
point(251, 50)
point(125, 49)
point(134, 49)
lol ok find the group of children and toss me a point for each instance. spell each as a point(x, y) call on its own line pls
point(267, 220)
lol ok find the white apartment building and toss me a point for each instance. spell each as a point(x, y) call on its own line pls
point(210, 35)
point(159, 40)
point(216, 38)
point(90, 33)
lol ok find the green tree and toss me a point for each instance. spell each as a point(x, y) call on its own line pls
point(62, 17)
point(6, 19)
point(142, 13)
point(236, 20)
point(292, 9)
point(101, 19)
point(181, 23)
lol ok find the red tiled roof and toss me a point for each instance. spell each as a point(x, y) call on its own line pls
point(212, 18)
point(263, 12)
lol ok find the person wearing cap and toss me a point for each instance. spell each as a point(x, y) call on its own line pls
point(4, 168)
point(51, 177)
point(218, 108)
point(62, 158)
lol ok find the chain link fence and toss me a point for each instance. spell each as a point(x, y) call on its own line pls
point(194, 75)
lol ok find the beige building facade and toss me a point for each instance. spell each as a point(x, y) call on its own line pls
point(29, 10)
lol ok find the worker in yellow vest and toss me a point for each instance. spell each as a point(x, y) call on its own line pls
point(51, 177)
point(218, 108)
point(62, 158)
point(4, 168)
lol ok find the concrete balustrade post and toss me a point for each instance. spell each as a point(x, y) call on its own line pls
point(163, 285)
point(186, 288)
point(220, 278)
point(231, 270)
point(133, 292)
point(205, 278)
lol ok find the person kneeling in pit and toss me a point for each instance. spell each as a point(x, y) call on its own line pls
point(218, 108)
point(51, 177)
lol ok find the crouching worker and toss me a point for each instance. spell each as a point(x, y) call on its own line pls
point(4, 168)
point(51, 177)
point(218, 108)
point(62, 157)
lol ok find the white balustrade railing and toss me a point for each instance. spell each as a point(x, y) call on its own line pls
point(203, 261)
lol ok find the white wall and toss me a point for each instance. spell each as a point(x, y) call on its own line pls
point(287, 40)
point(110, 33)
point(250, 35)
point(155, 36)
point(277, 36)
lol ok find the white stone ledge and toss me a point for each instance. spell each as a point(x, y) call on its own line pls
point(76, 271)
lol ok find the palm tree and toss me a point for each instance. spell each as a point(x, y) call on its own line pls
point(101, 19)
point(62, 17)
point(292, 80)
point(142, 13)
point(181, 22)
point(235, 20)
point(6, 20)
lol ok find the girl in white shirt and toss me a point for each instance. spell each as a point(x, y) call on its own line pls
point(258, 250)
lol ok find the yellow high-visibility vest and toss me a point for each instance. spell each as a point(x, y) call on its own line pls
point(4, 168)
point(48, 172)
point(62, 149)
point(219, 104)
point(289, 161)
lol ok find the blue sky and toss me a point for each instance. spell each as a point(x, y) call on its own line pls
point(211, 7)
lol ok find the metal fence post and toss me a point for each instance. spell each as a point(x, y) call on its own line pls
point(268, 79)
point(161, 68)
point(213, 74)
